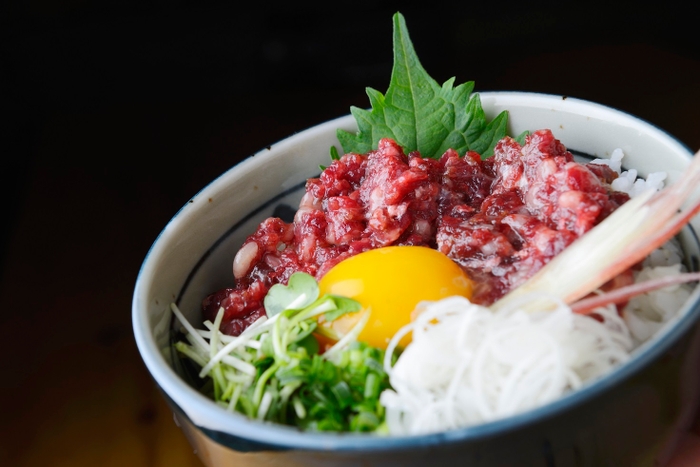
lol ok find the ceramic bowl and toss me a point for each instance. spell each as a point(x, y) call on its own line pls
point(631, 417)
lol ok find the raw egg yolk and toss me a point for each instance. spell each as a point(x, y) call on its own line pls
point(389, 282)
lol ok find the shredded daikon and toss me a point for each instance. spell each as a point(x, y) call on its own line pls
point(468, 364)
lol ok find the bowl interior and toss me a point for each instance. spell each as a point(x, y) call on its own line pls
point(192, 256)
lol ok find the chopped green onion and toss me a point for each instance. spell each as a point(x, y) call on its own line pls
point(299, 408)
point(273, 370)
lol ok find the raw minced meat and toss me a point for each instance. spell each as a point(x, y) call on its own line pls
point(501, 219)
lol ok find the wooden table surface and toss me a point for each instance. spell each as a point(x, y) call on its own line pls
point(121, 113)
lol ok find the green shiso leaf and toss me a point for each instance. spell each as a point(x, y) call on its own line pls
point(421, 115)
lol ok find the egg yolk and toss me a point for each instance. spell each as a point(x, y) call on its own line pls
point(389, 282)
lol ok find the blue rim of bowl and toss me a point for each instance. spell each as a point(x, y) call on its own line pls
point(253, 433)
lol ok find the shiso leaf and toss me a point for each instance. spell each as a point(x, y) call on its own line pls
point(421, 115)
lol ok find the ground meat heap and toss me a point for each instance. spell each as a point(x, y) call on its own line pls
point(501, 219)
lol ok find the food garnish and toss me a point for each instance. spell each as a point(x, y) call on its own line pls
point(419, 114)
point(273, 370)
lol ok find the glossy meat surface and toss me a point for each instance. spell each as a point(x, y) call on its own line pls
point(501, 219)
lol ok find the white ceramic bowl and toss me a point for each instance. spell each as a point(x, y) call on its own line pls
point(192, 257)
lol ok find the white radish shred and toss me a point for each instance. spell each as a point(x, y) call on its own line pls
point(468, 364)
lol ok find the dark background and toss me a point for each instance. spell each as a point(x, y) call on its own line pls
point(118, 111)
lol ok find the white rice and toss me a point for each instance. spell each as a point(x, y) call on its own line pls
point(647, 313)
point(628, 180)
